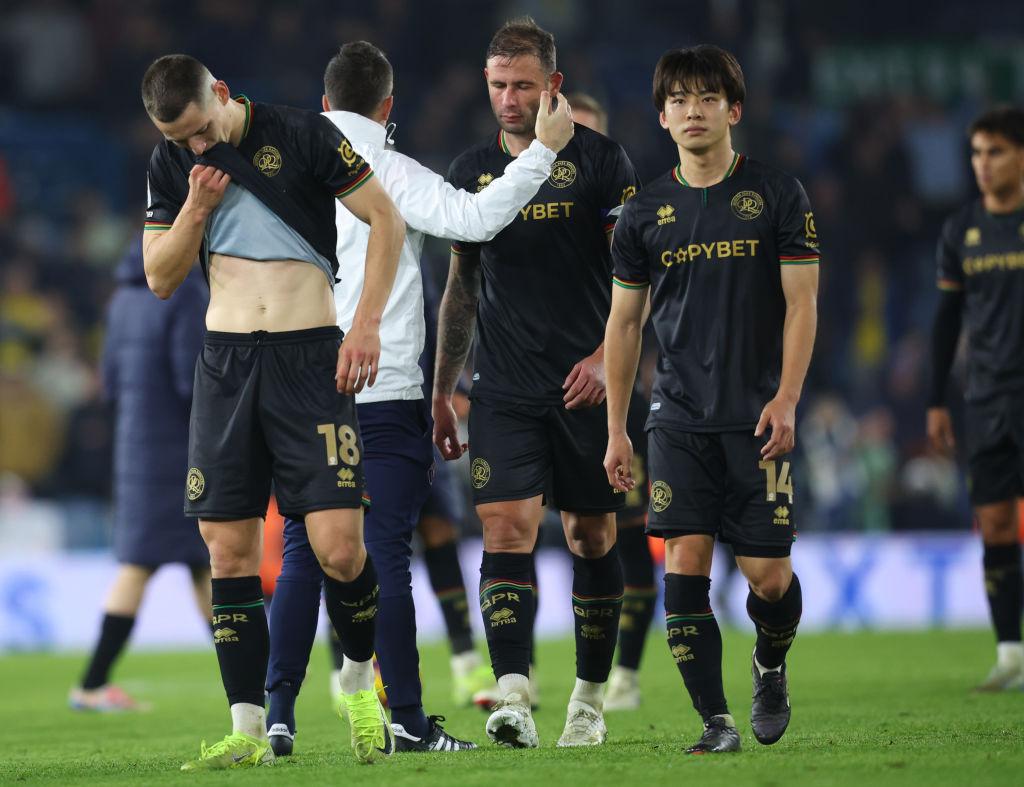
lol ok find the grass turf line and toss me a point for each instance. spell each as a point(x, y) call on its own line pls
point(869, 708)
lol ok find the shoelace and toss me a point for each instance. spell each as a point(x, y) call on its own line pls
point(222, 747)
point(770, 687)
point(582, 720)
point(446, 741)
point(365, 720)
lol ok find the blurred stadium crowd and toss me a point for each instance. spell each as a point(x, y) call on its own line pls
point(866, 102)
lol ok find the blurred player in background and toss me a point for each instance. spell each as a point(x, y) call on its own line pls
point(981, 278)
point(393, 417)
point(726, 249)
point(538, 296)
point(640, 593)
point(149, 359)
point(251, 189)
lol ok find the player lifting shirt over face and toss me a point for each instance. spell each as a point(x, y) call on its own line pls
point(250, 188)
point(728, 250)
point(539, 295)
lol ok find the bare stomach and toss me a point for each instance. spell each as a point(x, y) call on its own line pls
point(274, 295)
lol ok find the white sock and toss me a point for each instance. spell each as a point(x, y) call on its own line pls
point(356, 676)
point(464, 663)
point(762, 670)
point(625, 675)
point(514, 683)
point(250, 719)
point(589, 693)
point(1010, 654)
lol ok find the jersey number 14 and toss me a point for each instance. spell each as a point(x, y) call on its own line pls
point(776, 481)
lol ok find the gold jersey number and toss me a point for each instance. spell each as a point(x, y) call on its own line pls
point(777, 480)
point(345, 447)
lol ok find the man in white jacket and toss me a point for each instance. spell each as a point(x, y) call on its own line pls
point(394, 419)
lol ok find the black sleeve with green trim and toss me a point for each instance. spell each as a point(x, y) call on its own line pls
point(335, 162)
point(630, 261)
point(166, 189)
point(796, 236)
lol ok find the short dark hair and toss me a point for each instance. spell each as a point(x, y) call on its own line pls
point(523, 36)
point(358, 78)
point(171, 83)
point(699, 68)
point(1006, 120)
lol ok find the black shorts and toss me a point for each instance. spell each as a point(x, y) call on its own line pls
point(995, 449)
point(265, 407)
point(639, 496)
point(717, 484)
point(519, 451)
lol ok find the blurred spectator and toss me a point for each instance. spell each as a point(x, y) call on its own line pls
point(148, 367)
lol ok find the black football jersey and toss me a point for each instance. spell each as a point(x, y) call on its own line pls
point(712, 257)
point(982, 254)
point(300, 153)
point(545, 291)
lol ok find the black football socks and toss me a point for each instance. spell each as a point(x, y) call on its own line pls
point(508, 606)
point(446, 580)
point(1005, 589)
point(114, 633)
point(241, 638)
point(596, 605)
point(639, 595)
point(695, 641)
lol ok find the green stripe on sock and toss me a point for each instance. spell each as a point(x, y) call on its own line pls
point(246, 605)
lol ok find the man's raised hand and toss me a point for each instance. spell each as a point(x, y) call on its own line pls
point(553, 128)
point(206, 187)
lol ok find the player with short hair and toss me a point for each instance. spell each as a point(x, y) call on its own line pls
point(640, 593)
point(250, 188)
point(727, 250)
point(537, 295)
point(981, 278)
point(393, 417)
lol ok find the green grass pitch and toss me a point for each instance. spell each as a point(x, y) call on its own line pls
point(868, 709)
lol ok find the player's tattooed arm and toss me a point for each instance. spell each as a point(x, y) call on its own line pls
point(456, 324)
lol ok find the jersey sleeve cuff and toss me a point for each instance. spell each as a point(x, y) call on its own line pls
point(157, 226)
point(948, 285)
point(799, 259)
point(626, 284)
point(355, 185)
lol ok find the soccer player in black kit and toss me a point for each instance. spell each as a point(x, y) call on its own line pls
point(981, 278)
point(727, 250)
point(539, 295)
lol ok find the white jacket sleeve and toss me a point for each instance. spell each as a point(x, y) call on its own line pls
point(433, 206)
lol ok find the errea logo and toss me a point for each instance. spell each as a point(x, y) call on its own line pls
point(781, 516)
point(665, 215)
point(346, 478)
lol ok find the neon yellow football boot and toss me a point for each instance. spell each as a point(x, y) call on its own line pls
point(237, 750)
point(372, 738)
